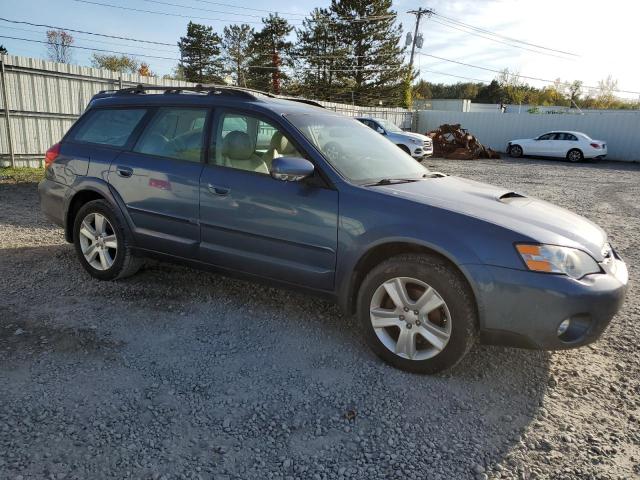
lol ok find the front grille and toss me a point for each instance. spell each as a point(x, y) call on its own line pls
point(427, 143)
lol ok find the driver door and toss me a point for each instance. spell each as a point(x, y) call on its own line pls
point(252, 223)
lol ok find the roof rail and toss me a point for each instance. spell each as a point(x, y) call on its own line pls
point(250, 93)
point(208, 89)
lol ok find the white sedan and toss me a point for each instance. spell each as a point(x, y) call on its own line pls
point(574, 146)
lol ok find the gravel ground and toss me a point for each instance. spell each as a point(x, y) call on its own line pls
point(176, 373)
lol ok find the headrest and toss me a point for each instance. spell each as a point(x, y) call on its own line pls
point(281, 144)
point(237, 146)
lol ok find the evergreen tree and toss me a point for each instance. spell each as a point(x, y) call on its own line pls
point(269, 52)
point(235, 44)
point(375, 60)
point(3, 50)
point(200, 54)
point(322, 53)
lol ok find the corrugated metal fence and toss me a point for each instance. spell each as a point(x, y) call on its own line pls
point(45, 98)
point(619, 130)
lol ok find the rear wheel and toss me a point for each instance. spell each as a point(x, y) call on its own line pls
point(101, 244)
point(575, 155)
point(515, 151)
point(417, 313)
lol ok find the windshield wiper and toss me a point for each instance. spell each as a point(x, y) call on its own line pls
point(392, 181)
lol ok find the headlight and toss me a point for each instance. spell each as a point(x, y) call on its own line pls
point(555, 259)
point(416, 142)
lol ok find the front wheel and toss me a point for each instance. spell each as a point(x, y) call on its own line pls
point(575, 155)
point(515, 151)
point(418, 313)
point(101, 244)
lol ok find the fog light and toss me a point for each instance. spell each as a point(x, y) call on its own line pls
point(564, 326)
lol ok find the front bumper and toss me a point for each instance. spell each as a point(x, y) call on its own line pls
point(421, 152)
point(524, 309)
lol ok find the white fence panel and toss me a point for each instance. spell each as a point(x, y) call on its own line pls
point(619, 130)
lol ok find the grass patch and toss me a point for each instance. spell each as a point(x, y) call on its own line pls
point(21, 175)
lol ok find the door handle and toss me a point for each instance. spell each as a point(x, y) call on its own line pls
point(218, 190)
point(125, 172)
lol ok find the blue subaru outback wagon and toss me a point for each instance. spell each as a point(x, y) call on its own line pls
point(285, 191)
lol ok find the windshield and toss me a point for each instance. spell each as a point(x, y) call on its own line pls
point(357, 152)
point(389, 126)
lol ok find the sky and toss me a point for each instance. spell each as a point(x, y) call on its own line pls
point(602, 37)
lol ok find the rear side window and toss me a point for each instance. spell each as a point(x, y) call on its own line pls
point(111, 127)
point(174, 133)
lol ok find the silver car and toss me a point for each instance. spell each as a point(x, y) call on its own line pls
point(416, 145)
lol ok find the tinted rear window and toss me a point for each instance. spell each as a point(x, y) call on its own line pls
point(109, 126)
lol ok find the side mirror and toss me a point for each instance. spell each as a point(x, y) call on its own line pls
point(291, 169)
point(380, 130)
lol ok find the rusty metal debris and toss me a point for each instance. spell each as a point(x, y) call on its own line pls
point(456, 143)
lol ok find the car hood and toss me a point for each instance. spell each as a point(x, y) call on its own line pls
point(408, 135)
point(539, 220)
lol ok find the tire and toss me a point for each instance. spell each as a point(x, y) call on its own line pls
point(405, 149)
point(109, 257)
point(448, 317)
point(574, 155)
point(515, 151)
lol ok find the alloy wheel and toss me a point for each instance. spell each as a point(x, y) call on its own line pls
point(98, 241)
point(575, 156)
point(410, 318)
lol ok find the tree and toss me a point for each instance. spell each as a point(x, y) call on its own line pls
point(574, 90)
point(235, 47)
point(492, 93)
point(59, 44)
point(605, 96)
point(3, 51)
point(145, 70)
point(374, 67)
point(200, 54)
point(422, 90)
point(322, 53)
point(513, 87)
point(115, 63)
point(269, 52)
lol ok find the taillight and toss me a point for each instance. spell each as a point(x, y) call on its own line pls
point(595, 145)
point(51, 155)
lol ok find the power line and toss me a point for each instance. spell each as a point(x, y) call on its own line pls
point(511, 39)
point(86, 33)
point(82, 38)
point(155, 12)
point(92, 49)
point(538, 79)
point(496, 40)
point(200, 9)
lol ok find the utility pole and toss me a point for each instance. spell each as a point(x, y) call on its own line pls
point(418, 13)
point(408, 95)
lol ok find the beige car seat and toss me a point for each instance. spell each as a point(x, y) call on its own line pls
point(238, 151)
point(280, 147)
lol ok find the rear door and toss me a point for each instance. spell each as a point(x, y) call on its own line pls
point(562, 143)
point(158, 180)
point(251, 222)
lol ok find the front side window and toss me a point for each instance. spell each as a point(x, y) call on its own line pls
point(174, 133)
point(111, 127)
point(245, 142)
point(358, 153)
point(390, 126)
point(546, 136)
